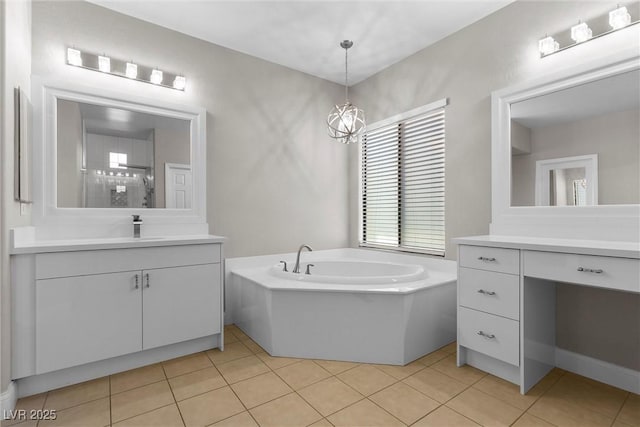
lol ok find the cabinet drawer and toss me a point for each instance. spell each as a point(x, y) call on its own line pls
point(495, 293)
point(606, 272)
point(501, 338)
point(65, 264)
point(491, 259)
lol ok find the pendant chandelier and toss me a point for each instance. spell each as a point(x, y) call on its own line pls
point(346, 121)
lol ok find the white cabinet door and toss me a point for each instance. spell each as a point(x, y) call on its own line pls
point(86, 318)
point(180, 303)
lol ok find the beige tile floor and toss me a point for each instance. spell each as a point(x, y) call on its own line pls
point(244, 386)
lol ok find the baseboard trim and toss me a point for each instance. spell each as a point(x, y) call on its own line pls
point(599, 370)
point(8, 400)
point(51, 380)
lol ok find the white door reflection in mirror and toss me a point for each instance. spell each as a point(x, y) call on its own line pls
point(567, 181)
point(178, 189)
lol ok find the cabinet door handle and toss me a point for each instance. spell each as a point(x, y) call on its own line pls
point(482, 291)
point(591, 270)
point(147, 277)
point(484, 258)
point(486, 335)
point(137, 280)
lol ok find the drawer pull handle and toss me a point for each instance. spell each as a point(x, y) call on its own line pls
point(484, 258)
point(137, 279)
point(484, 334)
point(590, 270)
point(483, 292)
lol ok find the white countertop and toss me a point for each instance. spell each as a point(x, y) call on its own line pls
point(576, 246)
point(41, 246)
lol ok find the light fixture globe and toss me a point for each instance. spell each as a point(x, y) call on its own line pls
point(346, 122)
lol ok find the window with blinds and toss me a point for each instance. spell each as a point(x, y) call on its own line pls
point(402, 182)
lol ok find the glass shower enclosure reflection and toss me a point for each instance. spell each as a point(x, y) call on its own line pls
point(120, 172)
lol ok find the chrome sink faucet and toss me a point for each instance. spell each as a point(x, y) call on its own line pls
point(296, 269)
point(137, 222)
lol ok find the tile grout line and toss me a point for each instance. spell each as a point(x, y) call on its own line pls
point(376, 404)
point(83, 403)
point(334, 412)
point(110, 409)
point(628, 396)
point(462, 415)
point(175, 401)
point(142, 413)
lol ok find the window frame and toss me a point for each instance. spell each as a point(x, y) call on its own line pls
point(407, 115)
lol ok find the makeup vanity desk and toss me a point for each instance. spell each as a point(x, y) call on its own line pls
point(507, 302)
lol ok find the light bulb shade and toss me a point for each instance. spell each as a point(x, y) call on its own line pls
point(346, 122)
point(581, 32)
point(179, 83)
point(74, 57)
point(132, 70)
point(156, 77)
point(548, 45)
point(104, 64)
point(619, 18)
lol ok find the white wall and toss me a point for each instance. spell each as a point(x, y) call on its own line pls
point(274, 179)
point(614, 137)
point(15, 30)
point(495, 52)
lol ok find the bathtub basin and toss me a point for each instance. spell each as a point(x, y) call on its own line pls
point(356, 305)
point(353, 272)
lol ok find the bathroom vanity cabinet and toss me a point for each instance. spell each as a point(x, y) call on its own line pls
point(507, 303)
point(78, 307)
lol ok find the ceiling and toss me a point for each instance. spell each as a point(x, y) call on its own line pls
point(306, 35)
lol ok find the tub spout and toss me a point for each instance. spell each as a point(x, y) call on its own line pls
point(296, 269)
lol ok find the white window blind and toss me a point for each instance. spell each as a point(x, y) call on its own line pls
point(402, 182)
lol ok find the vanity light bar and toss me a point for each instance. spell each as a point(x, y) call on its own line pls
point(126, 69)
point(618, 19)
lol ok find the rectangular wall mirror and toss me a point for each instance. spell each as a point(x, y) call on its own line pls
point(101, 156)
point(598, 119)
point(565, 152)
point(111, 157)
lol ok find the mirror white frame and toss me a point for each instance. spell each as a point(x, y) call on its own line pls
point(543, 179)
point(46, 213)
point(600, 222)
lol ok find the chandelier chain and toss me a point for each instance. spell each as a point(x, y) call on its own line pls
point(346, 75)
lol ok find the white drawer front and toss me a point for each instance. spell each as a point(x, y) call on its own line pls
point(495, 293)
point(491, 259)
point(606, 272)
point(500, 339)
point(64, 264)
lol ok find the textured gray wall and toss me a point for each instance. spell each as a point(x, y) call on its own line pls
point(15, 27)
point(497, 51)
point(274, 179)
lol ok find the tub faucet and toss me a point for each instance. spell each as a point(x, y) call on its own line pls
point(296, 269)
point(137, 222)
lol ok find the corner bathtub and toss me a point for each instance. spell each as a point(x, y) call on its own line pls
point(356, 305)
